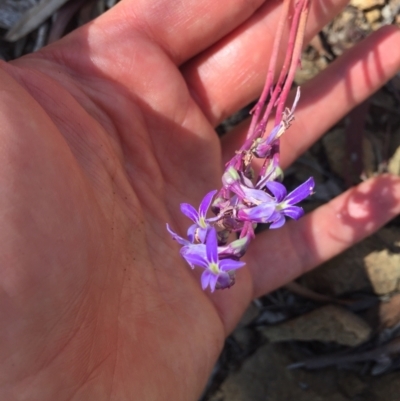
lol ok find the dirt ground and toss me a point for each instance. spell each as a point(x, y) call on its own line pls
point(334, 334)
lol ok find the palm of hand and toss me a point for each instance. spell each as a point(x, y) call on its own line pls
point(96, 302)
point(101, 178)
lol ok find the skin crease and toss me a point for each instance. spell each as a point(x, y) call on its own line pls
point(103, 134)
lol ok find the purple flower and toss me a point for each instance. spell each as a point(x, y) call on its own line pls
point(198, 230)
point(258, 214)
point(188, 247)
point(261, 206)
point(177, 238)
point(217, 273)
point(189, 251)
point(273, 209)
point(285, 202)
point(193, 254)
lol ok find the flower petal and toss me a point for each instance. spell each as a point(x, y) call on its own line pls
point(301, 192)
point(191, 232)
point(237, 189)
point(277, 189)
point(230, 264)
point(279, 222)
point(189, 211)
point(195, 255)
point(205, 203)
point(294, 212)
point(176, 237)
point(205, 279)
point(257, 214)
point(202, 234)
point(256, 195)
point(246, 181)
point(212, 246)
point(272, 135)
point(213, 281)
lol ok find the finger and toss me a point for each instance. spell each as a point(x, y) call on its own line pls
point(181, 28)
point(184, 28)
point(132, 46)
point(333, 93)
point(279, 256)
point(231, 74)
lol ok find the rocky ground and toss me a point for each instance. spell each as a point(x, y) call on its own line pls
point(334, 335)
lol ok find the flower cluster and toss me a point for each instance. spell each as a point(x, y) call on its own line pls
point(244, 199)
point(238, 207)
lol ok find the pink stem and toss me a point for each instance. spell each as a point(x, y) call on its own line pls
point(298, 46)
point(295, 46)
point(271, 70)
point(286, 64)
point(258, 128)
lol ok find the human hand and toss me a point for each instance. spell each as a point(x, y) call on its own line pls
point(103, 135)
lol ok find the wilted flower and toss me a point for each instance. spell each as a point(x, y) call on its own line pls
point(236, 248)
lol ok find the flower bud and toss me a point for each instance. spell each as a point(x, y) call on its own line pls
point(230, 177)
point(261, 148)
point(226, 280)
point(236, 248)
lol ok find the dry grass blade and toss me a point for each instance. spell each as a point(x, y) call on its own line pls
point(376, 354)
point(33, 18)
point(12, 10)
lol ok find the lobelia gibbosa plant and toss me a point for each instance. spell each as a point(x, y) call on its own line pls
point(245, 199)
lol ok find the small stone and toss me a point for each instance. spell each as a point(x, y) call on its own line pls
point(373, 16)
point(307, 71)
point(382, 264)
point(394, 163)
point(387, 14)
point(346, 17)
point(366, 4)
point(383, 269)
point(321, 63)
point(328, 324)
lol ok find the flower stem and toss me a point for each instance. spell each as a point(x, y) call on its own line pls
point(279, 93)
point(271, 70)
point(295, 50)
